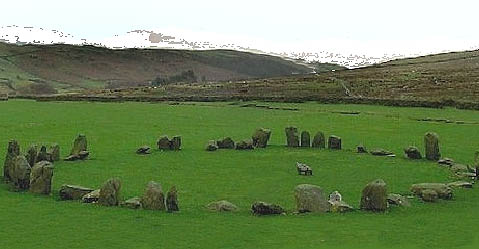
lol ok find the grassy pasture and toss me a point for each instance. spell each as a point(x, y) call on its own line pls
point(115, 130)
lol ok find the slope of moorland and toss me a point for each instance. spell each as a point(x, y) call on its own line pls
point(441, 78)
point(43, 69)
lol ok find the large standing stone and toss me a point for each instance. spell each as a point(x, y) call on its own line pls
point(12, 152)
point(42, 155)
point(80, 144)
point(334, 142)
point(163, 143)
point(292, 138)
point(222, 206)
point(31, 155)
point(175, 143)
point(374, 196)
point(73, 192)
point(225, 143)
point(245, 145)
point(431, 141)
point(153, 199)
point(172, 200)
point(319, 141)
point(305, 139)
point(41, 178)
point(261, 137)
point(20, 173)
point(54, 152)
point(412, 152)
point(310, 198)
point(263, 208)
point(110, 193)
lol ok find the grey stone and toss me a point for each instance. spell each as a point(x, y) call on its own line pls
point(31, 155)
point(20, 173)
point(133, 203)
point(263, 208)
point(443, 191)
point(334, 142)
point(73, 192)
point(310, 198)
point(91, 197)
point(412, 152)
point(13, 151)
point(54, 152)
point(429, 195)
point(319, 141)
point(459, 184)
point(340, 207)
point(175, 143)
point(42, 155)
point(153, 198)
point(431, 141)
point(211, 146)
point(172, 200)
point(225, 143)
point(261, 137)
point(303, 169)
point(41, 178)
point(335, 196)
point(398, 200)
point(361, 149)
point(110, 193)
point(143, 150)
point(381, 152)
point(374, 196)
point(245, 145)
point(80, 144)
point(292, 138)
point(446, 161)
point(163, 143)
point(305, 139)
point(222, 206)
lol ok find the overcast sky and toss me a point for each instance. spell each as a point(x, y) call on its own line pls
point(380, 25)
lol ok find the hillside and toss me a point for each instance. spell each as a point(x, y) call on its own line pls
point(64, 68)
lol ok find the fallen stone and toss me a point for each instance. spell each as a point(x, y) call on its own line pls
point(304, 169)
point(244, 145)
point(456, 167)
point(310, 198)
point(143, 150)
point(263, 208)
point(222, 206)
point(41, 178)
point(73, 192)
point(133, 203)
point(398, 200)
point(91, 197)
point(460, 184)
point(429, 195)
point(446, 161)
point(110, 193)
point(340, 207)
point(374, 196)
point(443, 191)
point(225, 143)
point(381, 152)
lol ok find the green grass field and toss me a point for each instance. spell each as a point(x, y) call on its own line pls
point(115, 130)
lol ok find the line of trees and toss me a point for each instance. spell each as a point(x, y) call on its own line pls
point(185, 76)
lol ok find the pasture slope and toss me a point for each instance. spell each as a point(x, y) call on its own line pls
point(115, 130)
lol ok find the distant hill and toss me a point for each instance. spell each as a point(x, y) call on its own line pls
point(45, 69)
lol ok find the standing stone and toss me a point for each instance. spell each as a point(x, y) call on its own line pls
point(292, 138)
point(73, 192)
point(42, 154)
point(260, 137)
point(431, 141)
point(110, 193)
point(310, 198)
point(319, 141)
point(172, 200)
point(211, 146)
point(12, 152)
point(245, 145)
point(374, 196)
point(412, 152)
point(41, 178)
point(153, 199)
point(305, 139)
point(54, 152)
point(31, 155)
point(163, 143)
point(175, 143)
point(225, 143)
point(334, 142)
point(79, 145)
point(20, 173)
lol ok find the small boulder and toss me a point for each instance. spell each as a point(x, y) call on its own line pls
point(211, 146)
point(263, 208)
point(374, 196)
point(172, 200)
point(361, 149)
point(163, 143)
point(244, 145)
point(304, 169)
point(398, 200)
point(334, 142)
point(412, 152)
point(443, 191)
point(340, 207)
point(319, 141)
point(431, 141)
point(456, 167)
point(73, 192)
point(153, 198)
point(175, 143)
point(225, 143)
point(91, 197)
point(41, 178)
point(429, 195)
point(335, 196)
point(222, 206)
point(292, 138)
point(460, 184)
point(143, 150)
point(110, 193)
point(305, 139)
point(446, 162)
point(310, 198)
point(261, 137)
point(133, 203)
